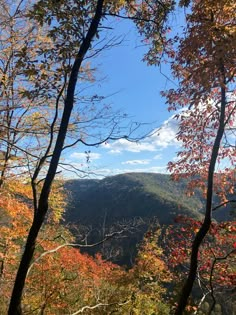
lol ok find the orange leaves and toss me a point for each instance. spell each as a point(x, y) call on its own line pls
point(61, 277)
point(17, 214)
point(15, 221)
point(18, 188)
point(69, 279)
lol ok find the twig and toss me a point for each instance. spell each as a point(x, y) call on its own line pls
point(216, 259)
point(223, 204)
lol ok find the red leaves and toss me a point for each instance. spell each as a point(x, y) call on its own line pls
point(208, 41)
point(217, 251)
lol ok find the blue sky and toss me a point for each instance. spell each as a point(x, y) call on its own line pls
point(134, 88)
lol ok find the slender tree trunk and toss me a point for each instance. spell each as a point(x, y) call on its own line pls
point(187, 288)
point(4, 168)
point(15, 303)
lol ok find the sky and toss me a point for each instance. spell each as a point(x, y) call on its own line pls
point(134, 88)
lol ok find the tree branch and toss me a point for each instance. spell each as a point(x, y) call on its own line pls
point(75, 245)
point(84, 308)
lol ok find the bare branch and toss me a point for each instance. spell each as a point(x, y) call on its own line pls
point(84, 308)
point(75, 245)
point(223, 204)
point(216, 259)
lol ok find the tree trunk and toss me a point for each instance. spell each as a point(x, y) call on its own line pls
point(15, 303)
point(187, 288)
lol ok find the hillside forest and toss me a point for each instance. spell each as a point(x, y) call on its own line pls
point(135, 243)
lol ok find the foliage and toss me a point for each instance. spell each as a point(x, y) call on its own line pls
point(203, 62)
point(216, 261)
point(67, 280)
point(130, 200)
point(61, 278)
point(15, 221)
point(121, 195)
point(44, 48)
point(134, 200)
point(150, 274)
point(26, 112)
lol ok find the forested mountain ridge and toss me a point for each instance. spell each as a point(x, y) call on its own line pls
point(133, 195)
point(136, 202)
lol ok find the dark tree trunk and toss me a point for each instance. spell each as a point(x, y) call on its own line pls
point(15, 303)
point(187, 288)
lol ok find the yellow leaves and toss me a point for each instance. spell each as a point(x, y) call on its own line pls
point(45, 40)
point(210, 36)
point(149, 261)
point(57, 201)
point(15, 203)
point(18, 188)
point(16, 217)
point(61, 275)
point(115, 5)
point(36, 116)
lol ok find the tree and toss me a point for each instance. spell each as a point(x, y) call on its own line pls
point(60, 276)
point(204, 64)
point(16, 217)
point(51, 73)
point(150, 277)
point(14, 105)
point(42, 206)
point(216, 260)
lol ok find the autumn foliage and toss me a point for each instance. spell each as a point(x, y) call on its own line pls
point(45, 46)
point(204, 64)
point(61, 279)
point(217, 254)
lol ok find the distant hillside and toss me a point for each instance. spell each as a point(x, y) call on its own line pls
point(135, 199)
point(130, 195)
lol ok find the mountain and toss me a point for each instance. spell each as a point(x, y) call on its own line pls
point(130, 195)
point(133, 201)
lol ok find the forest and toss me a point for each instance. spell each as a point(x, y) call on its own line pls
point(184, 260)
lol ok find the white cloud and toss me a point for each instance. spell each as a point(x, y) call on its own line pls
point(103, 172)
point(161, 138)
point(136, 162)
point(165, 136)
point(176, 158)
point(121, 145)
point(115, 151)
point(84, 169)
